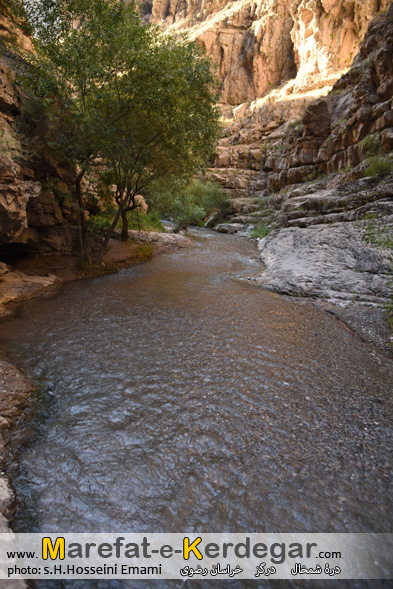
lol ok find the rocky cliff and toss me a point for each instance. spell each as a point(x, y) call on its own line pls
point(259, 44)
point(300, 162)
point(35, 214)
point(319, 173)
point(273, 59)
point(306, 89)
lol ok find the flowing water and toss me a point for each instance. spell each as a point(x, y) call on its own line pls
point(177, 396)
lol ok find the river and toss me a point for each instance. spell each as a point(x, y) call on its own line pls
point(178, 396)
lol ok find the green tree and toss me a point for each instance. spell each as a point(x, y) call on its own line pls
point(171, 126)
point(189, 203)
point(127, 103)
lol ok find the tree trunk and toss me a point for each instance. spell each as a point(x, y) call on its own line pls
point(83, 221)
point(124, 228)
point(109, 232)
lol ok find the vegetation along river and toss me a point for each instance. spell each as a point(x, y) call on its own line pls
point(177, 396)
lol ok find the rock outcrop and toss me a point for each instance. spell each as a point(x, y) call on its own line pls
point(289, 136)
point(31, 188)
point(332, 262)
point(352, 122)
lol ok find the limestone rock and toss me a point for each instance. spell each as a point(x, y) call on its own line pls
point(339, 131)
point(326, 34)
point(258, 44)
point(330, 262)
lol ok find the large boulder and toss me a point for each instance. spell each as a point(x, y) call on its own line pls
point(332, 262)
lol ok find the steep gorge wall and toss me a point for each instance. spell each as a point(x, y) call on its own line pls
point(35, 215)
point(259, 44)
point(288, 138)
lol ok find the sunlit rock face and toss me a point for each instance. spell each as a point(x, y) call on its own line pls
point(277, 61)
point(326, 33)
point(259, 44)
point(250, 42)
point(338, 132)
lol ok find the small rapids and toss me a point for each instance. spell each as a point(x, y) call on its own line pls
point(177, 396)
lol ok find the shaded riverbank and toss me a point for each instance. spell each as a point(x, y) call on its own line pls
point(31, 276)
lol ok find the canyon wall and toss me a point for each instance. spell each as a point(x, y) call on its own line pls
point(35, 214)
point(277, 60)
point(315, 169)
point(259, 44)
point(286, 139)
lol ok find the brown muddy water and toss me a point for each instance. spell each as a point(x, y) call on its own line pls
point(176, 396)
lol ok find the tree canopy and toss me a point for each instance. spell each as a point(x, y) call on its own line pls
point(126, 103)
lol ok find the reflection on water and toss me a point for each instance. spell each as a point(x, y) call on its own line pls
point(179, 397)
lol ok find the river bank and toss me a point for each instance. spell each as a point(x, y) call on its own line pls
point(337, 269)
point(37, 275)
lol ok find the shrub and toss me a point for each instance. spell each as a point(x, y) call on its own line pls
point(144, 222)
point(186, 212)
point(379, 166)
point(145, 251)
point(189, 205)
point(99, 224)
point(371, 145)
point(260, 231)
point(210, 197)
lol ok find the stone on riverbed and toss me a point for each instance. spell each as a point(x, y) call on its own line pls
point(167, 240)
point(229, 228)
